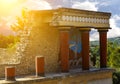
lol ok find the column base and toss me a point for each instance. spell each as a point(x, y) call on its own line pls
point(10, 78)
point(40, 74)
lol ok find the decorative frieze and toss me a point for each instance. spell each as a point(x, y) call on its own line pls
point(71, 18)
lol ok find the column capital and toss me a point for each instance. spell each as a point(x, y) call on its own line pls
point(84, 29)
point(102, 30)
point(64, 28)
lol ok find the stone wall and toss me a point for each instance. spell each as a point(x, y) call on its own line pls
point(37, 39)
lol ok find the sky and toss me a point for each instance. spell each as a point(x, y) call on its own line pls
point(10, 8)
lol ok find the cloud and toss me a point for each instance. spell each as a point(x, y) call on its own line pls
point(37, 5)
point(94, 35)
point(86, 5)
point(105, 3)
point(30, 5)
point(115, 31)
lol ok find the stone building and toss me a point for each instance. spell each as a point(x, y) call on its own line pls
point(61, 36)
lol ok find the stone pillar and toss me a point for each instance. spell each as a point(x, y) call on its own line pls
point(10, 73)
point(85, 48)
point(103, 48)
point(64, 50)
point(40, 64)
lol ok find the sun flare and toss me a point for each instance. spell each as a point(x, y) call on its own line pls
point(6, 6)
point(8, 1)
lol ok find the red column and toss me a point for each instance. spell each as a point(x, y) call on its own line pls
point(40, 66)
point(103, 48)
point(85, 49)
point(10, 73)
point(64, 50)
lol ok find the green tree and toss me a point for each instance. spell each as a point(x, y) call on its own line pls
point(6, 41)
point(95, 55)
point(113, 55)
point(3, 41)
point(115, 58)
point(20, 23)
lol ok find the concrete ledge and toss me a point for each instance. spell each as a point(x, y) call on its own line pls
point(75, 75)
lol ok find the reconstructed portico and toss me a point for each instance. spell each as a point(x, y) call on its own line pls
point(66, 19)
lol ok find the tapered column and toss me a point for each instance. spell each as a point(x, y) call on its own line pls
point(85, 49)
point(64, 50)
point(40, 64)
point(103, 48)
point(10, 73)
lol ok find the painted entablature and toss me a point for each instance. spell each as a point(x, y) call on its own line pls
point(80, 18)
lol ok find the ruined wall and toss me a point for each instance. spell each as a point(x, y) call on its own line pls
point(38, 39)
point(42, 40)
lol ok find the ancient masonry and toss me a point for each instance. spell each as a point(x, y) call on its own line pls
point(36, 40)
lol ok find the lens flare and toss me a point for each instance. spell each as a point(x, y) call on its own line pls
point(8, 1)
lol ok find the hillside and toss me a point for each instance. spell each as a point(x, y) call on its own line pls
point(115, 39)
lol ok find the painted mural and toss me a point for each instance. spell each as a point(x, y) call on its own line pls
point(75, 41)
point(75, 47)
